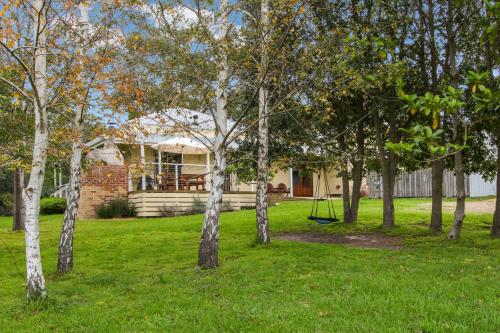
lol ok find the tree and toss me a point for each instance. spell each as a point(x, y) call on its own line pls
point(181, 36)
point(208, 254)
point(486, 95)
point(353, 94)
point(35, 281)
point(32, 32)
point(456, 123)
point(263, 131)
point(92, 54)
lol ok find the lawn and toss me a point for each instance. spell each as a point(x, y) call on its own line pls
point(140, 276)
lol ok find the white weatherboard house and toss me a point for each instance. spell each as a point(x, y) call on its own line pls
point(164, 161)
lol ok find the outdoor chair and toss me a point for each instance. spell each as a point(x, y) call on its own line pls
point(283, 189)
point(271, 189)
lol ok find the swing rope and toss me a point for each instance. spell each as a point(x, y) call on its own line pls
point(314, 211)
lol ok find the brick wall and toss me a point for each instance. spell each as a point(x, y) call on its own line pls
point(100, 185)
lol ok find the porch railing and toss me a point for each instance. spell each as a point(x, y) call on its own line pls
point(174, 177)
point(61, 192)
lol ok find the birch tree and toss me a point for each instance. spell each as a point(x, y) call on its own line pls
point(94, 41)
point(32, 32)
point(199, 58)
point(65, 257)
point(208, 254)
point(263, 132)
point(35, 281)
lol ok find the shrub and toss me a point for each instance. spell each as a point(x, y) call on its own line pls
point(169, 211)
point(115, 209)
point(227, 206)
point(198, 206)
point(49, 206)
point(6, 204)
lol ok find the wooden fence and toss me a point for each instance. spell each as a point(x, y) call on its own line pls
point(414, 185)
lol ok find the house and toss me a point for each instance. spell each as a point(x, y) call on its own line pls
point(162, 162)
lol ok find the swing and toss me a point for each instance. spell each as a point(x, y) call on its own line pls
point(314, 211)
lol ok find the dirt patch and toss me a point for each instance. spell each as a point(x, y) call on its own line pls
point(483, 206)
point(372, 241)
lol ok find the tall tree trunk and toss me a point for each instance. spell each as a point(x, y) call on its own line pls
point(388, 195)
point(436, 225)
point(344, 173)
point(208, 254)
point(495, 228)
point(460, 184)
point(263, 134)
point(357, 172)
point(345, 193)
point(65, 256)
point(457, 138)
point(35, 282)
point(19, 215)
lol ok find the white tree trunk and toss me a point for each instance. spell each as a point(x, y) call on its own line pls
point(35, 282)
point(65, 257)
point(208, 254)
point(261, 202)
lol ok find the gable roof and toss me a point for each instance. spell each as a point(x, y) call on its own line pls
point(175, 116)
point(160, 126)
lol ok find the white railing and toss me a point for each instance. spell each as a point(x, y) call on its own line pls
point(62, 192)
point(172, 177)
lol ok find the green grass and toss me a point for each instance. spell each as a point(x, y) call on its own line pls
point(140, 276)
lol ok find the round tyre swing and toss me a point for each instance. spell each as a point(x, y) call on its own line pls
point(322, 218)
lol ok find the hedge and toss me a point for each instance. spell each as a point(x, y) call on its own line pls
point(49, 206)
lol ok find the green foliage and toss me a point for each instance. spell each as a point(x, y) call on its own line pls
point(49, 206)
point(6, 203)
point(428, 141)
point(197, 207)
point(487, 100)
point(115, 209)
point(433, 105)
point(431, 285)
point(15, 123)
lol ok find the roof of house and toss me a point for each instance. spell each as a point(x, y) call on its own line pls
point(159, 126)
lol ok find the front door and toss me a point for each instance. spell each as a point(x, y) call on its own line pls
point(302, 185)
